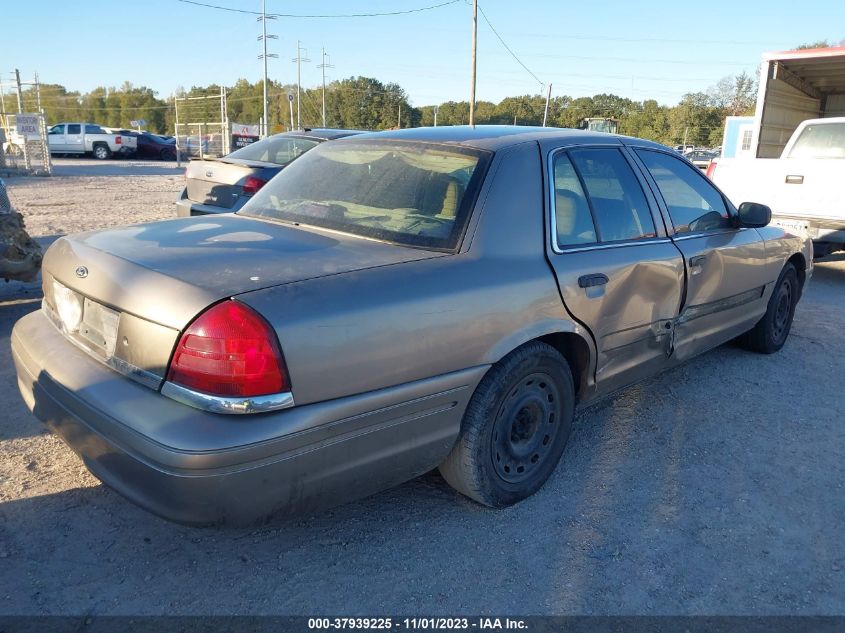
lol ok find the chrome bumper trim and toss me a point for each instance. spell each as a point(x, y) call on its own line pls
point(219, 404)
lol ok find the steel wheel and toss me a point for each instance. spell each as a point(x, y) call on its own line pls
point(526, 427)
point(515, 427)
point(783, 312)
point(771, 331)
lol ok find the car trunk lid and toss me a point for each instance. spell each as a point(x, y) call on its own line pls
point(221, 183)
point(167, 272)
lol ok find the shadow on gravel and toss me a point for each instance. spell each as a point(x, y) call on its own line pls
point(126, 167)
point(15, 419)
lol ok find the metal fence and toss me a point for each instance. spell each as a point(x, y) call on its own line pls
point(200, 131)
point(25, 148)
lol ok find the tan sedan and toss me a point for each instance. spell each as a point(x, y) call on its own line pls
point(392, 303)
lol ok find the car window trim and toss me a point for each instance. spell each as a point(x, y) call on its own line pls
point(598, 244)
point(674, 233)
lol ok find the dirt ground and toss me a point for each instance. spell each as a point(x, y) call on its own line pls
point(716, 488)
point(83, 195)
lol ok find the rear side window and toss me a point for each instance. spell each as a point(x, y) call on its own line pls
point(573, 220)
point(619, 205)
point(694, 204)
point(74, 128)
point(93, 129)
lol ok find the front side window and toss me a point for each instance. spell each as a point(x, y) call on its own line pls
point(57, 129)
point(822, 140)
point(413, 194)
point(694, 204)
point(280, 151)
point(74, 128)
point(619, 205)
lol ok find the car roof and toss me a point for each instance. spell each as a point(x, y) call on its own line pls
point(325, 134)
point(495, 137)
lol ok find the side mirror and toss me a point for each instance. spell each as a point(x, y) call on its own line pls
point(753, 215)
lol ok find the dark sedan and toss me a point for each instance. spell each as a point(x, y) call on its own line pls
point(152, 145)
point(225, 184)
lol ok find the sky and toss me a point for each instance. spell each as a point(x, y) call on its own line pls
point(647, 49)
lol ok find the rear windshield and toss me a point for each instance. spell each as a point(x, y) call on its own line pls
point(415, 194)
point(275, 150)
point(824, 140)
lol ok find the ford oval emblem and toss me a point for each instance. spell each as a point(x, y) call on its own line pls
point(82, 272)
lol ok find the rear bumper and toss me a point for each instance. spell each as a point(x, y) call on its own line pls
point(200, 468)
point(817, 229)
point(186, 207)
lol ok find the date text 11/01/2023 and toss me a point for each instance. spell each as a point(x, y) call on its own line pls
point(421, 624)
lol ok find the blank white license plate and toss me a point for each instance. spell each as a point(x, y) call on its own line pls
point(793, 226)
point(99, 326)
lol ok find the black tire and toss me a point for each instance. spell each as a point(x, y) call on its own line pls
point(101, 152)
point(770, 333)
point(167, 154)
point(515, 427)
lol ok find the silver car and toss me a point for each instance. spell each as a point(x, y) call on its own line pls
point(225, 185)
point(392, 303)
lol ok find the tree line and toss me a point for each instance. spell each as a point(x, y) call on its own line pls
point(367, 103)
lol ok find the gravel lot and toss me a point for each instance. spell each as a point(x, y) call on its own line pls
point(716, 488)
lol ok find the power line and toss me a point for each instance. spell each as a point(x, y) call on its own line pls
point(508, 48)
point(338, 15)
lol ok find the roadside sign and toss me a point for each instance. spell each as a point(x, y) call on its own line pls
point(290, 97)
point(138, 123)
point(28, 125)
point(243, 135)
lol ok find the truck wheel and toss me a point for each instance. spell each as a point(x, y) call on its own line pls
point(515, 427)
point(101, 152)
point(771, 332)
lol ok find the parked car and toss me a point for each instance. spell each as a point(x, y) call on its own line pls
point(225, 184)
point(88, 138)
point(152, 145)
point(391, 303)
point(802, 186)
point(701, 158)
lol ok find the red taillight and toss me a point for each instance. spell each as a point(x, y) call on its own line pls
point(253, 184)
point(229, 351)
point(711, 168)
point(118, 140)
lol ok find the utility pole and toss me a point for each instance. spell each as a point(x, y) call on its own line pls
point(20, 94)
point(472, 85)
point(38, 94)
point(263, 39)
point(436, 108)
point(299, 59)
point(323, 67)
point(290, 105)
point(546, 111)
point(399, 125)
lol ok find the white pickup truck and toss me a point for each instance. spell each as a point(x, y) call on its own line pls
point(88, 138)
point(803, 187)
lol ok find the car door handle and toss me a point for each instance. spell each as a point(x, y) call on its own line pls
point(795, 180)
point(697, 260)
point(589, 281)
